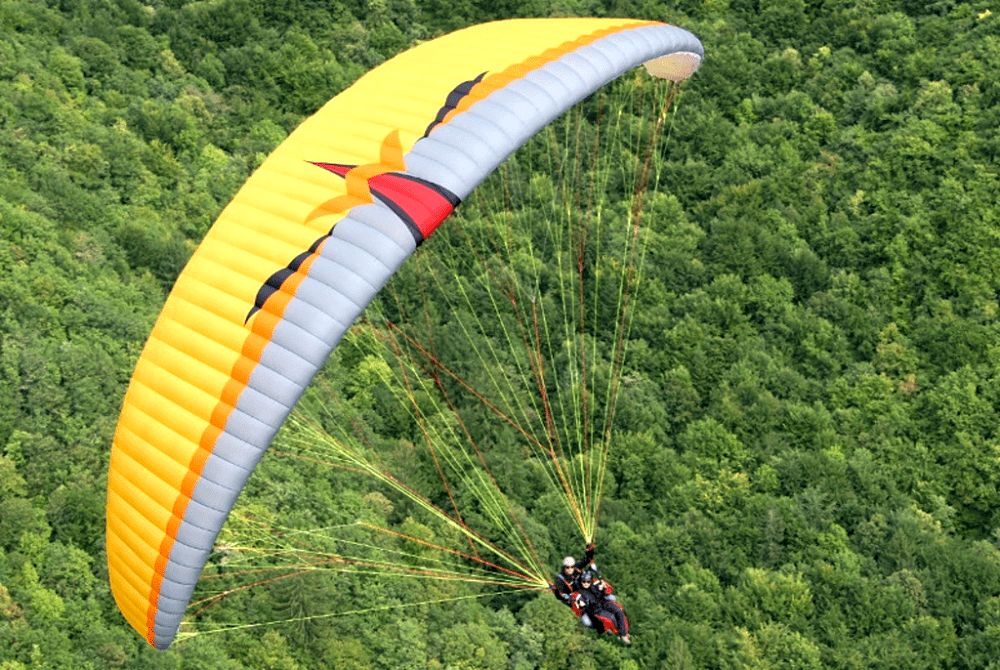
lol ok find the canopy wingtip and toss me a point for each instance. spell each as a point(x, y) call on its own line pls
point(676, 66)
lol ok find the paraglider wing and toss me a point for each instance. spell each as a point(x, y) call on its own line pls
point(304, 246)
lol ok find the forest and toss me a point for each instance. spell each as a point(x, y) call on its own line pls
point(800, 468)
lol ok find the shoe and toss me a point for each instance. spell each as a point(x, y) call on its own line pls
point(626, 640)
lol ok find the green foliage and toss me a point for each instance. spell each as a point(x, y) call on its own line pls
point(806, 468)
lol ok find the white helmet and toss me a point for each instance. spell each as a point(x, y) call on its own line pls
point(569, 562)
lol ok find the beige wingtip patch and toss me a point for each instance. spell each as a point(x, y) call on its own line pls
point(675, 67)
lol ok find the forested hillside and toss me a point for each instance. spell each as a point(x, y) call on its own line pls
point(805, 464)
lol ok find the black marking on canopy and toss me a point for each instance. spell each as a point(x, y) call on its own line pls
point(451, 102)
point(275, 281)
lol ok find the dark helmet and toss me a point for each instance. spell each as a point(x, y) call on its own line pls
point(587, 577)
